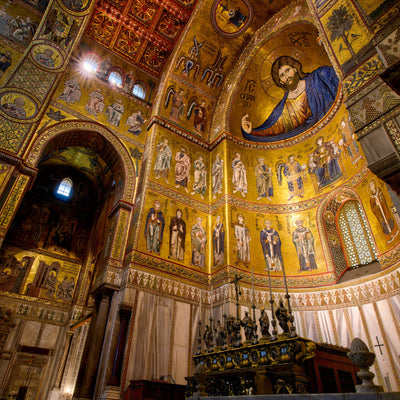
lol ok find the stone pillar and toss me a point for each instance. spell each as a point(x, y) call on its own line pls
point(13, 186)
point(111, 264)
point(91, 356)
point(124, 316)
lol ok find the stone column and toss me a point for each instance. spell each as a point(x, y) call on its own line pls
point(12, 190)
point(94, 342)
point(124, 316)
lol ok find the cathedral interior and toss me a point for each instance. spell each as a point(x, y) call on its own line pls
point(147, 164)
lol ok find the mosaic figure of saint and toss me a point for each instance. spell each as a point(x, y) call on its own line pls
point(45, 58)
point(324, 162)
point(135, 122)
point(200, 117)
point(72, 91)
point(95, 104)
point(349, 141)
point(114, 112)
point(263, 180)
point(293, 172)
point(154, 228)
point(50, 283)
point(382, 211)
point(271, 247)
point(162, 164)
point(65, 289)
point(304, 243)
point(217, 172)
point(15, 109)
point(128, 82)
point(182, 169)
point(242, 236)
point(5, 62)
point(239, 175)
point(200, 177)
point(199, 239)
point(307, 98)
point(104, 69)
point(218, 240)
point(177, 237)
point(177, 105)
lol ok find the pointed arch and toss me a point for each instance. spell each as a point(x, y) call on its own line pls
point(92, 135)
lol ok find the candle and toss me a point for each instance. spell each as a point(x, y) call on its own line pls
point(252, 284)
point(200, 304)
point(223, 303)
point(211, 302)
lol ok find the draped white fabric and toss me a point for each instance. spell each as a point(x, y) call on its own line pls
point(154, 352)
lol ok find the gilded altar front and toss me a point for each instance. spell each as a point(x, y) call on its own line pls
point(265, 367)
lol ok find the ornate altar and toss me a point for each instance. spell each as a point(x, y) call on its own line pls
point(266, 367)
point(156, 390)
point(274, 364)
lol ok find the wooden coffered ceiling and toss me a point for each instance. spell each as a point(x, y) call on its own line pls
point(142, 31)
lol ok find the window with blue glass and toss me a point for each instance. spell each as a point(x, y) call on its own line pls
point(139, 91)
point(115, 78)
point(65, 188)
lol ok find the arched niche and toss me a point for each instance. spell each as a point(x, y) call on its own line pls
point(92, 135)
point(340, 217)
point(291, 32)
point(78, 234)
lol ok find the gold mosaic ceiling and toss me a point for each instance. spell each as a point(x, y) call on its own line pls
point(142, 31)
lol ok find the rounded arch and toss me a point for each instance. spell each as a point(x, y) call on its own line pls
point(95, 136)
point(292, 15)
point(330, 237)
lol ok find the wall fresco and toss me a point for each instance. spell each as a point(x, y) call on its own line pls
point(375, 9)
point(38, 275)
point(278, 93)
point(18, 105)
point(18, 23)
point(274, 200)
point(175, 231)
point(231, 18)
point(346, 31)
point(9, 57)
point(189, 109)
point(95, 99)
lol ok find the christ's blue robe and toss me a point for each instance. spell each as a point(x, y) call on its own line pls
point(321, 89)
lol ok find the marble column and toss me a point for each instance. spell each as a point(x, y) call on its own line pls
point(124, 316)
point(94, 342)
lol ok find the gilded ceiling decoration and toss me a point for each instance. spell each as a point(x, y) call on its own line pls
point(142, 31)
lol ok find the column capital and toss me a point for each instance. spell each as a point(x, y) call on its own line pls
point(125, 310)
point(121, 204)
point(103, 292)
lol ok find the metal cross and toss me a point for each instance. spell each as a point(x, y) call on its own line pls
point(379, 344)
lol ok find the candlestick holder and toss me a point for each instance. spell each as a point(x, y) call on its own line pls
point(255, 336)
point(292, 328)
point(271, 302)
point(199, 339)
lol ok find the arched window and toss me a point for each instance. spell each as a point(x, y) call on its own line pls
point(65, 188)
point(115, 78)
point(139, 91)
point(355, 235)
